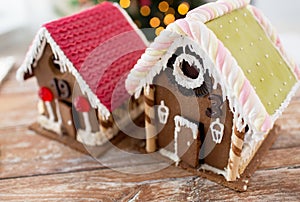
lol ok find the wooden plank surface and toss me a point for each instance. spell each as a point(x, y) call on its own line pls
point(34, 168)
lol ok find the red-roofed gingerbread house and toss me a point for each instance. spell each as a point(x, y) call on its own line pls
point(80, 63)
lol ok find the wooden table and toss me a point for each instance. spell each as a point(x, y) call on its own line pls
point(33, 167)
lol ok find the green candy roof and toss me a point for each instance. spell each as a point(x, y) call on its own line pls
point(260, 61)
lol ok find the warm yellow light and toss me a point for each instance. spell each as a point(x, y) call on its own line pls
point(169, 18)
point(154, 22)
point(183, 8)
point(158, 30)
point(163, 6)
point(124, 3)
point(145, 10)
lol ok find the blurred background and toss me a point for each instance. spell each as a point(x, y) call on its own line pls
point(20, 19)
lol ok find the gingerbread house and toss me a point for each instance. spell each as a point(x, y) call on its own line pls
point(80, 63)
point(214, 84)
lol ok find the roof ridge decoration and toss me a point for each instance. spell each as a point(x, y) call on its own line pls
point(243, 100)
point(43, 36)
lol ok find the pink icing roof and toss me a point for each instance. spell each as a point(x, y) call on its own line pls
point(83, 40)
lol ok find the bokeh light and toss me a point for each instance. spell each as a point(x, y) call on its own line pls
point(124, 3)
point(183, 8)
point(145, 11)
point(163, 6)
point(169, 18)
point(154, 22)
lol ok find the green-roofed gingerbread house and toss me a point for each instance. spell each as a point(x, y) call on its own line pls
point(214, 85)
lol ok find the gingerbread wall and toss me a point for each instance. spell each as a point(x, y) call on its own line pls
point(186, 104)
point(65, 89)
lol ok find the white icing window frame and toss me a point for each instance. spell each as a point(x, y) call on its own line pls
point(183, 79)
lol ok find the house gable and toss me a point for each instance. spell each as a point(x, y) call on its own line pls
point(262, 64)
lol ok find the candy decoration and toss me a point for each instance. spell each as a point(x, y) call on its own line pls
point(45, 94)
point(83, 105)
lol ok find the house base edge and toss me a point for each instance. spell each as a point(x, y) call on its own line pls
point(242, 183)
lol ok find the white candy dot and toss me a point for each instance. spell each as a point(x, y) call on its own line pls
point(236, 18)
point(241, 48)
point(267, 55)
point(230, 21)
point(221, 26)
point(262, 79)
point(227, 37)
point(269, 103)
point(237, 29)
point(251, 44)
point(280, 90)
point(249, 71)
point(245, 14)
point(272, 74)
point(258, 63)
point(276, 94)
point(284, 83)
point(281, 62)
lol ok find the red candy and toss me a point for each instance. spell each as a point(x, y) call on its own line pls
point(45, 94)
point(82, 104)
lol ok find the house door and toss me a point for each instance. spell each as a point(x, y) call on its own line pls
point(68, 124)
point(187, 140)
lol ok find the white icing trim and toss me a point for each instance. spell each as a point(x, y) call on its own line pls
point(50, 110)
point(87, 124)
point(66, 65)
point(170, 155)
point(214, 170)
point(93, 139)
point(40, 107)
point(217, 135)
point(182, 122)
point(184, 80)
point(49, 124)
point(163, 112)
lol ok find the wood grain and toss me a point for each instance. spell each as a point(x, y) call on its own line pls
point(34, 168)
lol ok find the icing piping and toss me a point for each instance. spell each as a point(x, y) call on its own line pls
point(88, 127)
point(163, 112)
point(213, 169)
point(180, 121)
point(94, 139)
point(49, 125)
point(50, 110)
point(217, 135)
point(170, 155)
point(184, 80)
